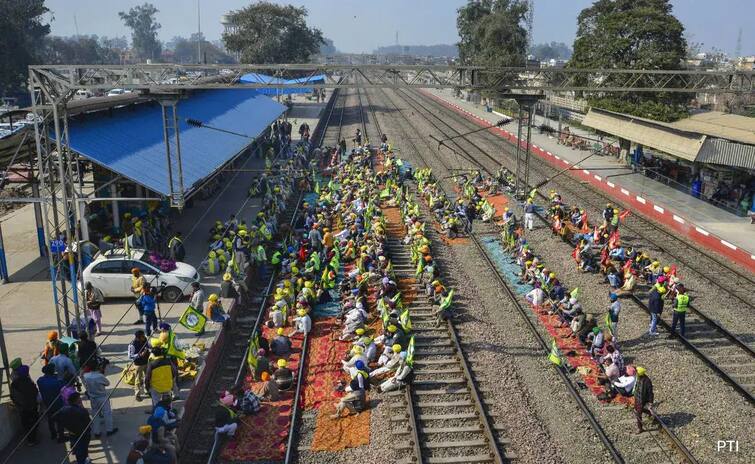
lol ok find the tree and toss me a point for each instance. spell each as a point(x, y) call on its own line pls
point(270, 33)
point(144, 27)
point(632, 34)
point(185, 51)
point(77, 50)
point(551, 51)
point(21, 32)
point(327, 47)
point(492, 34)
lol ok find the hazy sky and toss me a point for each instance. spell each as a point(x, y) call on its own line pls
point(363, 25)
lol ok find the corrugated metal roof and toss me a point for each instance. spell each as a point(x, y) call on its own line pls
point(723, 152)
point(648, 133)
point(257, 78)
point(721, 125)
point(130, 142)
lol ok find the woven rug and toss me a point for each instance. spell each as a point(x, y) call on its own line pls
point(261, 437)
point(344, 432)
point(323, 364)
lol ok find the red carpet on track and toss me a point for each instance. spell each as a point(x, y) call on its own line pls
point(262, 437)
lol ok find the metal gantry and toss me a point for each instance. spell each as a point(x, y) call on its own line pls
point(59, 173)
point(167, 77)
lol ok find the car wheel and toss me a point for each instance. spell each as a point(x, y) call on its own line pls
point(172, 294)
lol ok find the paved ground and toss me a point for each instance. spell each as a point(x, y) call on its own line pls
point(730, 227)
point(27, 312)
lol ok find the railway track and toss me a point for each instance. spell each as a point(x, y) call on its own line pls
point(711, 268)
point(726, 353)
point(205, 445)
point(445, 420)
point(661, 445)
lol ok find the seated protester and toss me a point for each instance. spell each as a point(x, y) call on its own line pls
point(569, 311)
point(557, 291)
point(268, 390)
point(587, 329)
point(360, 378)
point(615, 356)
point(283, 376)
point(144, 452)
point(214, 310)
point(388, 363)
point(247, 402)
point(577, 323)
point(263, 364)
point(227, 288)
point(401, 377)
point(226, 421)
point(630, 281)
point(595, 341)
point(354, 401)
point(303, 322)
point(281, 344)
point(369, 345)
point(356, 356)
point(536, 296)
point(614, 278)
point(624, 384)
point(276, 314)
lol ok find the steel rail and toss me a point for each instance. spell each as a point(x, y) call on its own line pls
point(615, 454)
point(266, 294)
point(687, 342)
point(485, 420)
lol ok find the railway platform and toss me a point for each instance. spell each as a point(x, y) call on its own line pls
point(713, 227)
point(27, 315)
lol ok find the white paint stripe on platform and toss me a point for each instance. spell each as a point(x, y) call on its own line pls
point(641, 200)
point(597, 177)
point(610, 184)
point(659, 209)
point(702, 231)
point(752, 257)
point(625, 192)
point(724, 242)
point(557, 157)
point(586, 171)
point(549, 153)
point(678, 219)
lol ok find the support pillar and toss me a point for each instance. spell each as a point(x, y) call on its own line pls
point(38, 221)
point(116, 210)
point(3, 263)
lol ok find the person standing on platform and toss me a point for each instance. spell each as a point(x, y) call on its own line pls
point(176, 247)
point(96, 383)
point(49, 390)
point(137, 288)
point(95, 298)
point(74, 418)
point(138, 353)
point(23, 393)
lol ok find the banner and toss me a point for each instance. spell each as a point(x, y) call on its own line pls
point(193, 320)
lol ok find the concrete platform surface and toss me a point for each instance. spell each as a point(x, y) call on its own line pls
point(28, 315)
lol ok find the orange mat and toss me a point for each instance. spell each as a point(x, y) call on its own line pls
point(344, 432)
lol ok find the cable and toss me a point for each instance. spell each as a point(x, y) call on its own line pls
point(115, 387)
point(102, 341)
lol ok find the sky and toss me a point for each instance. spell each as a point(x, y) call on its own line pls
point(357, 26)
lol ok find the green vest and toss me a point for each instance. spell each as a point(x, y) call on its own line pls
point(682, 303)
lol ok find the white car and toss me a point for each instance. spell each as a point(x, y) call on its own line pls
point(116, 92)
point(110, 271)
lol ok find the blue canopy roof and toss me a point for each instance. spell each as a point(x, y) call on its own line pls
point(256, 78)
point(131, 143)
